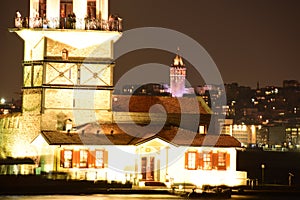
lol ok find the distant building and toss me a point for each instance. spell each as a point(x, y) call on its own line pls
point(151, 89)
point(177, 77)
point(292, 133)
point(10, 107)
point(245, 134)
point(291, 83)
point(278, 136)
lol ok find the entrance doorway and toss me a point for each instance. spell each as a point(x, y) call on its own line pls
point(147, 168)
point(66, 8)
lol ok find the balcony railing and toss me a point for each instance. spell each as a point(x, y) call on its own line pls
point(113, 24)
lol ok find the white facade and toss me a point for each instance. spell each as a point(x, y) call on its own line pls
point(148, 161)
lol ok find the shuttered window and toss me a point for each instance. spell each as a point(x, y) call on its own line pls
point(207, 160)
point(66, 159)
point(191, 160)
point(221, 160)
point(99, 159)
point(83, 158)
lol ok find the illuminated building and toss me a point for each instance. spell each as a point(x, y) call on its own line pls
point(68, 123)
point(97, 153)
point(67, 69)
point(177, 77)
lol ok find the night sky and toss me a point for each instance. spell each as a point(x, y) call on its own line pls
point(249, 40)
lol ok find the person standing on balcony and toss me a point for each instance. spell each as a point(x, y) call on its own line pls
point(18, 20)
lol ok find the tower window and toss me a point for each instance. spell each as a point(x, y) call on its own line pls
point(65, 54)
point(91, 9)
point(66, 8)
point(42, 8)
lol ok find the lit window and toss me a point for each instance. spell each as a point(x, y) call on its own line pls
point(83, 158)
point(221, 159)
point(207, 161)
point(67, 159)
point(91, 9)
point(99, 159)
point(202, 129)
point(190, 160)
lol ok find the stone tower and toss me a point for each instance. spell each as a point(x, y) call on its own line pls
point(68, 63)
point(177, 77)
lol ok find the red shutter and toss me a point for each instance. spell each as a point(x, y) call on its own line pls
point(215, 161)
point(227, 160)
point(200, 162)
point(91, 159)
point(75, 158)
point(197, 160)
point(105, 158)
point(62, 159)
point(186, 161)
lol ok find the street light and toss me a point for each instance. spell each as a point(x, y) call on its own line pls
point(262, 174)
point(290, 178)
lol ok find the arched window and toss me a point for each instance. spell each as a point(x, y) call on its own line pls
point(65, 54)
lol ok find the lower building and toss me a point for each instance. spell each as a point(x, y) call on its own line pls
point(106, 152)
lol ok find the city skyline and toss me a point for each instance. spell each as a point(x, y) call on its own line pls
point(250, 41)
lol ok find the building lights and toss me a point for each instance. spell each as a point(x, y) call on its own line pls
point(2, 101)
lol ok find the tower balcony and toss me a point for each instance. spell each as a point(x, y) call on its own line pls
point(114, 23)
point(75, 32)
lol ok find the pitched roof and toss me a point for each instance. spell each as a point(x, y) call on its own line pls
point(128, 134)
point(172, 105)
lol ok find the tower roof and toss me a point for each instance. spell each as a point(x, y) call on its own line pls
point(178, 61)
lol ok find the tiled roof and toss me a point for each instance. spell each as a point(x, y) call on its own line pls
point(171, 104)
point(134, 135)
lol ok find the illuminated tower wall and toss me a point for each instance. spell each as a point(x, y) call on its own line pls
point(67, 73)
point(177, 77)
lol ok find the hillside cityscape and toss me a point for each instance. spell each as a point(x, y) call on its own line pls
point(266, 117)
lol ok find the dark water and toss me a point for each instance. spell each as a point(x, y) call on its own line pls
point(132, 197)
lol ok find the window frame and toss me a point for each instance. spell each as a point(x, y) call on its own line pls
point(221, 160)
point(207, 160)
point(191, 160)
point(83, 158)
point(101, 164)
point(67, 162)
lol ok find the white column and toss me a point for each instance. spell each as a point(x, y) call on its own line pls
point(34, 8)
point(80, 9)
point(102, 9)
point(53, 13)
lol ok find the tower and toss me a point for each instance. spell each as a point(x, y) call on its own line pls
point(177, 77)
point(68, 62)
